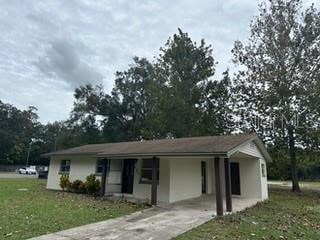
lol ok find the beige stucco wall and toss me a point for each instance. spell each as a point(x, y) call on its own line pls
point(143, 190)
point(80, 167)
point(252, 185)
point(53, 174)
point(185, 178)
point(250, 182)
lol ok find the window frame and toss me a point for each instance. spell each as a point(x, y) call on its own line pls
point(99, 164)
point(65, 168)
point(143, 168)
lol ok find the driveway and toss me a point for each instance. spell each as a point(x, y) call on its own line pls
point(159, 223)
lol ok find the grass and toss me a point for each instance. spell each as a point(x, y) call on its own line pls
point(312, 185)
point(285, 215)
point(37, 211)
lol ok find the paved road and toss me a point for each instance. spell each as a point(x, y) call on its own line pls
point(15, 175)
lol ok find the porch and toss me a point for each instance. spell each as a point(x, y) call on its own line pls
point(223, 184)
point(207, 203)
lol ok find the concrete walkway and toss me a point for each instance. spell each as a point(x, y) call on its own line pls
point(159, 223)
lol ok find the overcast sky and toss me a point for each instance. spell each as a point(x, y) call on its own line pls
point(47, 48)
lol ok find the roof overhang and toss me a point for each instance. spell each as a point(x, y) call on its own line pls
point(183, 154)
point(118, 155)
point(260, 145)
point(53, 154)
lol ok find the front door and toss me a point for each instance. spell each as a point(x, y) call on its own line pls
point(235, 178)
point(203, 177)
point(127, 175)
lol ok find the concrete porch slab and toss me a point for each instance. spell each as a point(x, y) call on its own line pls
point(159, 223)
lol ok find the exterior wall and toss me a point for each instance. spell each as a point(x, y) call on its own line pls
point(251, 149)
point(250, 182)
point(80, 167)
point(143, 190)
point(264, 181)
point(185, 178)
point(180, 177)
point(53, 174)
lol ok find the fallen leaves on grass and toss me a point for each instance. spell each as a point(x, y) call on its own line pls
point(285, 216)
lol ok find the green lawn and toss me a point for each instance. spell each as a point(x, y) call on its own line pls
point(284, 216)
point(24, 214)
point(304, 185)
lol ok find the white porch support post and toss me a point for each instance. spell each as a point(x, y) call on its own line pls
point(219, 201)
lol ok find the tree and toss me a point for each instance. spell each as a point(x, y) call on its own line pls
point(123, 112)
point(17, 129)
point(175, 95)
point(134, 88)
point(59, 135)
point(86, 112)
point(186, 71)
point(217, 107)
point(280, 80)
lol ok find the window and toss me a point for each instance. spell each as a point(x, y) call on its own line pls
point(263, 170)
point(65, 166)
point(99, 166)
point(146, 170)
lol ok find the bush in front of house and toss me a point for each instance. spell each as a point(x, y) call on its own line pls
point(92, 185)
point(77, 186)
point(64, 182)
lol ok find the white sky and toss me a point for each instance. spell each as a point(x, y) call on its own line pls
point(47, 48)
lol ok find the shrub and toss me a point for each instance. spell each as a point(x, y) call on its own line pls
point(77, 186)
point(64, 182)
point(92, 185)
point(82, 188)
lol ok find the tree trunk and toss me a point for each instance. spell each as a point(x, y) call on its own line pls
point(293, 160)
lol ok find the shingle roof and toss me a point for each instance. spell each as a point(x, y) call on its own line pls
point(179, 146)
